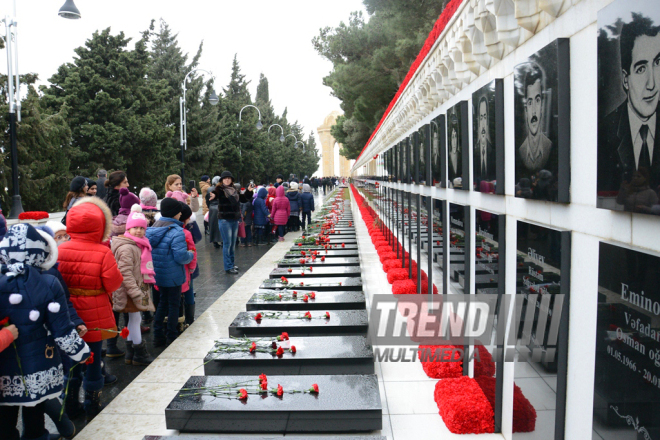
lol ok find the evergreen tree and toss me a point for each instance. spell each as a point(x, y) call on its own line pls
point(44, 148)
point(370, 60)
point(169, 63)
point(119, 117)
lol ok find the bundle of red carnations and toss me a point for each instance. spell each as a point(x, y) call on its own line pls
point(33, 215)
point(241, 390)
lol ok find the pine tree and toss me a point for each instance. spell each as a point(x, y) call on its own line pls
point(118, 116)
point(44, 148)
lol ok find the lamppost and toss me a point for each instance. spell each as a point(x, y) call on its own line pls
point(69, 10)
point(281, 135)
point(183, 124)
point(259, 126)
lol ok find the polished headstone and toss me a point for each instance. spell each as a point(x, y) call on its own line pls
point(347, 271)
point(342, 300)
point(346, 403)
point(330, 253)
point(314, 355)
point(315, 283)
point(319, 248)
point(328, 262)
point(341, 322)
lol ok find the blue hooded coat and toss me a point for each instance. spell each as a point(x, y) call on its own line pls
point(169, 252)
point(260, 209)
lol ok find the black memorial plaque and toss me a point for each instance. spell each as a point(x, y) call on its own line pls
point(305, 272)
point(488, 138)
point(328, 262)
point(348, 403)
point(314, 283)
point(541, 339)
point(314, 355)
point(458, 158)
point(335, 300)
point(542, 124)
point(628, 122)
point(341, 322)
point(459, 242)
point(627, 376)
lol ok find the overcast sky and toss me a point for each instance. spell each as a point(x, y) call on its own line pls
point(269, 36)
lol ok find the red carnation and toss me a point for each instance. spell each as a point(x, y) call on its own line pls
point(280, 296)
point(280, 351)
point(280, 390)
point(253, 347)
point(5, 322)
point(290, 270)
point(302, 284)
point(264, 386)
point(273, 344)
point(312, 295)
point(303, 253)
point(124, 333)
point(242, 394)
point(305, 298)
point(90, 359)
point(302, 261)
point(257, 317)
point(302, 274)
point(295, 293)
point(299, 244)
point(308, 315)
point(292, 349)
point(283, 337)
point(322, 258)
point(314, 388)
point(310, 268)
point(263, 378)
point(284, 280)
point(327, 315)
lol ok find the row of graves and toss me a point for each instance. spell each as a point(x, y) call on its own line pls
point(442, 246)
point(298, 360)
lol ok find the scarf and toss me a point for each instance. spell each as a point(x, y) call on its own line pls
point(22, 246)
point(146, 262)
point(230, 191)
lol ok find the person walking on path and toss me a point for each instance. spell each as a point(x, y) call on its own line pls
point(204, 185)
point(247, 210)
point(261, 218)
point(307, 204)
point(280, 212)
point(101, 176)
point(214, 226)
point(170, 255)
point(229, 213)
point(294, 200)
point(116, 181)
point(90, 271)
point(132, 251)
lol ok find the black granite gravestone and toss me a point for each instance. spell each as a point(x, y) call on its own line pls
point(341, 322)
point(320, 284)
point(338, 252)
point(346, 403)
point(331, 272)
point(328, 262)
point(260, 437)
point(333, 300)
point(314, 355)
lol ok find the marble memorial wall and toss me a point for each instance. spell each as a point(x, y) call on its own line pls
point(533, 123)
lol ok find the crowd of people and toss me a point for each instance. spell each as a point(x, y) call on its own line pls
point(65, 286)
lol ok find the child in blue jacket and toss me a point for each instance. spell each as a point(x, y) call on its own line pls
point(261, 217)
point(170, 255)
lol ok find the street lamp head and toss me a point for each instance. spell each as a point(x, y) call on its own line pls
point(213, 98)
point(281, 138)
point(259, 125)
point(69, 10)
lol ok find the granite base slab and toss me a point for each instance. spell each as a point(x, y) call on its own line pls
point(319, 248)
point(331, 272)
point(328, 262)
point(346, 403)
point(341, 322)
point(252, 437)
point(319, 284)
point(335, 300)
point(314, 355)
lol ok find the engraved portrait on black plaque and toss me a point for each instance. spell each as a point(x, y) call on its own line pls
point(455, 150)
point(628, 92)
point(540, 124)
point(483, 127)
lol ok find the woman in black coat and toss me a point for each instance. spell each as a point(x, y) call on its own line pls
point(115, 182)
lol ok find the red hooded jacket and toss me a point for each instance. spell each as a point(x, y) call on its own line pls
point(89, 268)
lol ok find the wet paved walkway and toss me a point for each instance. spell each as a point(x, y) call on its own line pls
point(211, 284)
